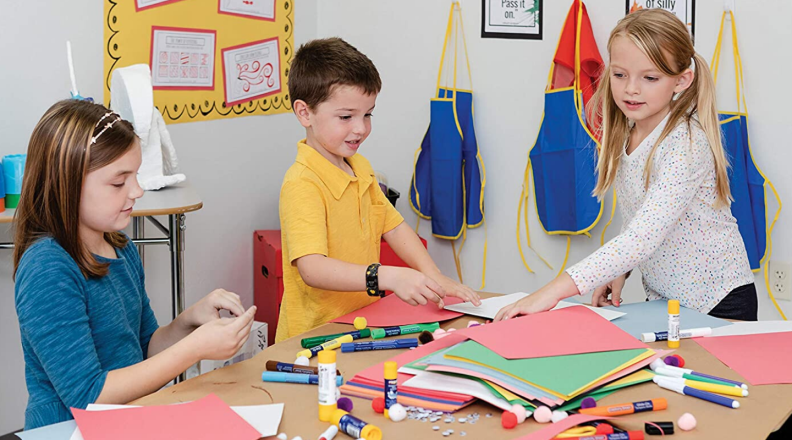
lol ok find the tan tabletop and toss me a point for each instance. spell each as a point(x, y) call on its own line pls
point(176, 199)
point(763, 411)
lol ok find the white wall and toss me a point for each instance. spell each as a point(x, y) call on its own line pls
point(237, 165)
point(509, 78)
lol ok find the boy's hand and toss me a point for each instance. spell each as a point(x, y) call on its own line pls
point(457, 290)
point(221, 338)
point(612, 289)
point(411, 286)
point(208, 308)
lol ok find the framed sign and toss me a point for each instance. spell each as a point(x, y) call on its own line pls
point(684, 9)
point(520, 19)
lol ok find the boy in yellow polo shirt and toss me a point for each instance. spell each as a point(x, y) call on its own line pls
point(333, 213)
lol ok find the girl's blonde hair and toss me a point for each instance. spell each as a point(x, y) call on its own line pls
point(60, 154)
point(658, 32)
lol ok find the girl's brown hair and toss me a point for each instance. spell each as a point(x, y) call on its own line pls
point(60, 154)
point(666, 42)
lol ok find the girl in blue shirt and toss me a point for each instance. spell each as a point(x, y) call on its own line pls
point(88, 332)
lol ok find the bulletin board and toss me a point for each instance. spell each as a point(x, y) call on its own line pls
point(209, 59)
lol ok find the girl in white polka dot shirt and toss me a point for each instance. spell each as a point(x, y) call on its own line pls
point(662, 150)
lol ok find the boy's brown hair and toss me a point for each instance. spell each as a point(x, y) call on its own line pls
point(320, 65)
point(61, 153)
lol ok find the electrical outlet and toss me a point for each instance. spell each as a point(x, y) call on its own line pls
point(779, 273)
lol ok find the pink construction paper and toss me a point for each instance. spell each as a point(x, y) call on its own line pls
point(761, 359)
point(392, 311)
point(456, 370)
point(208, 418)
point(375, 372)
point(553, 429)
point(572, 330)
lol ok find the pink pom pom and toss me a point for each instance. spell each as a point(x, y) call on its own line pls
point(588, 402)
point(451, 330)
point(543, 414)
point(345, 403)
point(519, 411)
point(687, 422)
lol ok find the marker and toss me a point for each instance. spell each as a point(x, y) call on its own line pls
point(379, 333)
point(673, 323)
point(683, 334)
point(378, 345)
point(629, 435)
point(330, 433)
point(729, 390)
point(626, 408)
point(310, 379)
point(664, 382)
point(329, 345)
point(319, 340)
point(292, 368)
point(693, 375)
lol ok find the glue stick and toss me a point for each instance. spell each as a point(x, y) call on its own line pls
point(327, 384)
point(673, 323)
point(355, 427)
point(391, 390)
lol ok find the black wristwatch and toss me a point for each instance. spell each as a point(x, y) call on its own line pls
point(372, 281)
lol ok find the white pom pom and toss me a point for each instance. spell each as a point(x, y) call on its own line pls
point(283, 436)
point(543, 414)
point(302, 361)
point(687, 422)
point(558, 416)
point(397, 413)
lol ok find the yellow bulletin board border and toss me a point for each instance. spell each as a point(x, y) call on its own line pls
point(128, 33)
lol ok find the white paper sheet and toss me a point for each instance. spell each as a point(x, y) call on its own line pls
point(490, 307)
point(440, 382)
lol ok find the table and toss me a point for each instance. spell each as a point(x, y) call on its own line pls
point(763, 411)
point(173, 201)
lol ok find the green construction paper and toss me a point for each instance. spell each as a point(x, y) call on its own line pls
point(564, 375)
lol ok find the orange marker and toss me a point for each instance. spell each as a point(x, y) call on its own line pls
point(626, 408)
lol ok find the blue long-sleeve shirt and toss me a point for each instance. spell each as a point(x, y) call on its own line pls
point(75, 330)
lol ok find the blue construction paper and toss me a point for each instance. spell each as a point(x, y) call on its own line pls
point(57, 431)
point(652, 316)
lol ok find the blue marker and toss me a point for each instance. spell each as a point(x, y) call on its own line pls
point(349, 347)
point(310, 379)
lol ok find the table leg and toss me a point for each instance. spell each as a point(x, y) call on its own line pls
point(139, 231)
point(177, 227)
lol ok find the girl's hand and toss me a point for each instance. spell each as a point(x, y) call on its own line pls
point(208, 308)
point(540, 301)
point(457, 290)
point(614, 289)
point(221, 338)
point(411, 286)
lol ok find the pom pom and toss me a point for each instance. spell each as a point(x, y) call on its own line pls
point(508, 420)
point(604, 429)
point(426, 337)
point(283, 436)
point(543, 414)
point(397, 413)
point(302, 361)
point(671, 360)
point(345, 403)
point(378, 405)
point(519, 411)
point(439, 333)
point(588, 402)
point(558, 416)
point(681, 360)
point(360, 323)
point(451, 330)
point(687, 422)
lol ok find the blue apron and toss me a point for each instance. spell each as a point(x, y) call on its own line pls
point(563, 162)
point(449, 177)
point(747, 182)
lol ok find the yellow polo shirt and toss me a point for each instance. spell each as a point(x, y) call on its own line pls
point(325, 211)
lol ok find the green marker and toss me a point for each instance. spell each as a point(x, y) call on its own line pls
point(379, 333)
point(319, 340)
